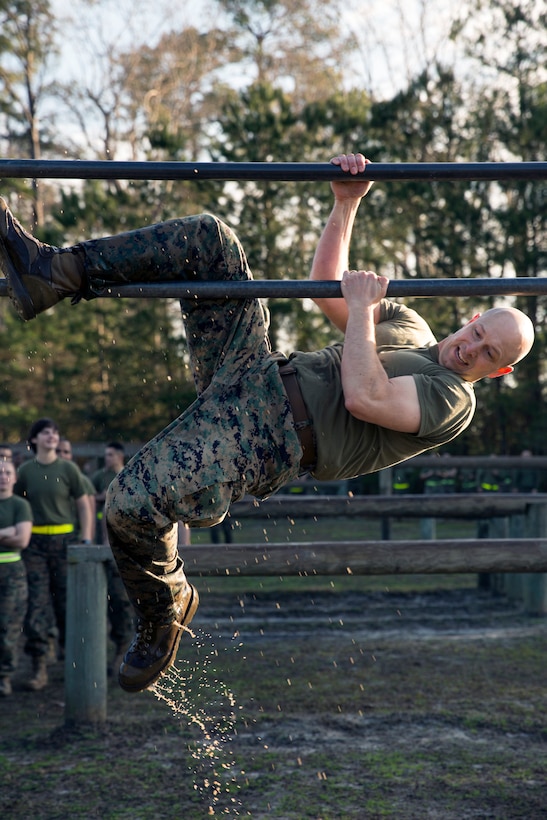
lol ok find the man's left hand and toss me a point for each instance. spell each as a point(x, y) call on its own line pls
point(351, 164)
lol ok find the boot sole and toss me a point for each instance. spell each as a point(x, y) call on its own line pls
point(191, 609)
point(17, 292)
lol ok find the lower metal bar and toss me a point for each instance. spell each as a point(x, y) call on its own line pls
point(280, 171)
point(305, 289)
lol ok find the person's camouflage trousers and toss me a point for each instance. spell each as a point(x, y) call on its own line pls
point(46, 564)
point(13, 605)
point(237, 437)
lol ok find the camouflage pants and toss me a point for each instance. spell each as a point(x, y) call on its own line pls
point(237, 437)
point(46, 565)
point(13, 604)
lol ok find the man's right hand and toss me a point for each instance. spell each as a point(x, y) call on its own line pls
point(351, 164)
point(363, 288)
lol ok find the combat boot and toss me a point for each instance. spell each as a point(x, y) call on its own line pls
point(39, 679)
point(38, 275)
point(154, 647)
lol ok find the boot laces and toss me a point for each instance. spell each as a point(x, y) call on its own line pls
point(143, 637)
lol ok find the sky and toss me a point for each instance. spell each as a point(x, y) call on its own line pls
point(395, 36)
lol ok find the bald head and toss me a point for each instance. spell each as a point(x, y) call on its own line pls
point(517, 331)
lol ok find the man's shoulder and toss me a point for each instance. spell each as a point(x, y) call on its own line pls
point(88, 484)
point(22, 508)
point(19, 508)
point(71, 473)
point(68, 467)
point(102, 478)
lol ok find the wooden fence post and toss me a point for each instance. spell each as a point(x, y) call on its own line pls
point(535, 584)
point(85, 659)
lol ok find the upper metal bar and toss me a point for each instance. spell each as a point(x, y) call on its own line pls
point(280, 171)
point(305, 289)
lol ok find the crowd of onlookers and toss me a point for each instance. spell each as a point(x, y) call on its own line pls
point(445, 478)
point(46, 503)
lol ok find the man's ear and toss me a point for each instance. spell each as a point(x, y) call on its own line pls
point(474, 318)
point(503, 371)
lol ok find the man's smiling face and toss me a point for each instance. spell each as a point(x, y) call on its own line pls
point(482, 346)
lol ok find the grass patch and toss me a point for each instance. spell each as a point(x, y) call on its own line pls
point(332, 528)
point(351, 703)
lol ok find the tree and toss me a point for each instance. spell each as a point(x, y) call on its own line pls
point(511, 114)
point(296, 45)
point(27, 42)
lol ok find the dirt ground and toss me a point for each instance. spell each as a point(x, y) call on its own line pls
point(322, 703)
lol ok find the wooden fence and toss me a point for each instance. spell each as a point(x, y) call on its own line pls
point(521, 557)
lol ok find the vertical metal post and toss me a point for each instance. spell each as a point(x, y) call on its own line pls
point(85, 659)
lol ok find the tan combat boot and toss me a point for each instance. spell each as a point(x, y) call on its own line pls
point(154, 647)
point(38, 275)
point(39, 679)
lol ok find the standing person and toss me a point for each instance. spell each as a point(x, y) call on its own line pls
point(64, 450)
point(50, 485)
point(526, 477)
point(387, 393)
point(120, 612)
point(15, 529)
point(114, 460)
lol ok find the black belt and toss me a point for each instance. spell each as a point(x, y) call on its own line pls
point(302, 421)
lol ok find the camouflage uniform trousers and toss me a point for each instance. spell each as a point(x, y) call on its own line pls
point(46, 563)
point(237, 437)
point(13, 604)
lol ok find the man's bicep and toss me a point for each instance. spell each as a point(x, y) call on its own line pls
point(398, 408)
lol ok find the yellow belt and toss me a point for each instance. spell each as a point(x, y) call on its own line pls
point(53, 529)
point(9, 557)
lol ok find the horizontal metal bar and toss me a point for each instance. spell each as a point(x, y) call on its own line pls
point(305, 289)
point(279, 171)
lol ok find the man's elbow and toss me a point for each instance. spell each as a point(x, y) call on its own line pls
point(356, 405)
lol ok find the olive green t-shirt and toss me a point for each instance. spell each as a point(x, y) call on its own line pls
point(103, 478)
point(13, 510)
point(50, 489)
point(348, 447)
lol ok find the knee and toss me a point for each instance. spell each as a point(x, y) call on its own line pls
point(134, 506)
point(120, 506)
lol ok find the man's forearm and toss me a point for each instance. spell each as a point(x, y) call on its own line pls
point(369, 394)
point(331, 257)
point(363, 377)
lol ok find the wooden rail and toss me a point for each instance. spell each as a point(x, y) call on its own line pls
point(412, 557)
point(368, 557)
point(454, 505)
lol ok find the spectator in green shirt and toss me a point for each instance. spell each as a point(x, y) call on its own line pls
point(15, 529)
point(50, 485)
